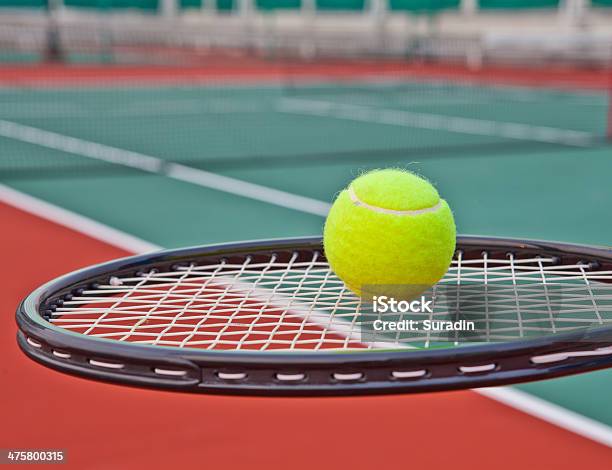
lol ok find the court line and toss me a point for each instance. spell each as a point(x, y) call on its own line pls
point(464, 83)
point(149, 164)
point(436, 122)
point(308, 313)
point(554, 414)
point(529, 404)
point(74, 221)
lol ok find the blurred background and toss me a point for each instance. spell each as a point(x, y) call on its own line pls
point(132, 125)
point(422, 77)
point(192, 32)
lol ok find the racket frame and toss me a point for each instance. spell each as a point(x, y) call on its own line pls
point(303, 373)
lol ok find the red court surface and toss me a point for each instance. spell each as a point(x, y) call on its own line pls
point(106, 426)
point(252, 71)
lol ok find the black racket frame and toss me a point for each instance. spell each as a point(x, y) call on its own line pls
point(312, 373)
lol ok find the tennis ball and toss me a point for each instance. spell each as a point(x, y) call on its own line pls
point(389, 228)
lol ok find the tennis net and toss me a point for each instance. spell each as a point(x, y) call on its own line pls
point(132, 99)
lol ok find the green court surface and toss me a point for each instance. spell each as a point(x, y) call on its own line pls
point(519, 162)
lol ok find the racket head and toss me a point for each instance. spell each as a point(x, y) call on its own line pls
point(300, 371)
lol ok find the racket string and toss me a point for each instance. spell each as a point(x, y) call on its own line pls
point(298, 303)
point(516, 295)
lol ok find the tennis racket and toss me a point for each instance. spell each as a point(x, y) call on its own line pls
point(270, 318)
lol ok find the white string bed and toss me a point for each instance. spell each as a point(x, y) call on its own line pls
point(302, 305)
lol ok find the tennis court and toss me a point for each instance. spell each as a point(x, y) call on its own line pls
point(99, 162)
point(146, 148)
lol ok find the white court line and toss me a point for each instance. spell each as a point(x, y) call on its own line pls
point(441, 98)
point(551, 413)
point(546, 411)
point(508, 130)
point(296, 308)
point(156, 165)
point(429, 84)
point(74, 221)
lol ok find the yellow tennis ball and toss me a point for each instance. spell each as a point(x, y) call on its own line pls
point(390, 228)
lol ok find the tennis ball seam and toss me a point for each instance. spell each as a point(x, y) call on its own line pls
point(382, 210)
